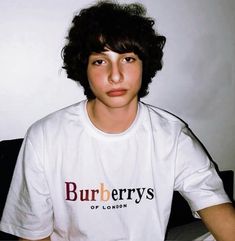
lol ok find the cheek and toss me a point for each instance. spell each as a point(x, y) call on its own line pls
point(95, 79)
point(95, 75)
point(136, 75)
point(138, 78)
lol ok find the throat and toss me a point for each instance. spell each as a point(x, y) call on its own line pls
point(111, 120)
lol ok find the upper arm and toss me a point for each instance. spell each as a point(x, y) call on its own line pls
point(220, 220)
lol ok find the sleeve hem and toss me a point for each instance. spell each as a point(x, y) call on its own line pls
point(23, 233)
point(212, 202)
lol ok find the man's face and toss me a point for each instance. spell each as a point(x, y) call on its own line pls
point(115, 79)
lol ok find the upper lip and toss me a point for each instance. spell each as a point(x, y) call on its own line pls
point(116, 90)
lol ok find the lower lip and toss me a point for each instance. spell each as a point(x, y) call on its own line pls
point(116, 93)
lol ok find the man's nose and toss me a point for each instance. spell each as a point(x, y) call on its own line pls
point(115, 73)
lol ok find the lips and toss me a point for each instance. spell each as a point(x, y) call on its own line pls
point(116, 92)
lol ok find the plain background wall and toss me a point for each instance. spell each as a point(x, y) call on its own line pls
point(197, 82)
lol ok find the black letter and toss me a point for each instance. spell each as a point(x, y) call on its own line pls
point(150, 191)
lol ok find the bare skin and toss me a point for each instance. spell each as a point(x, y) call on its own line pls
point(220, 221)
point(111, 121)
point(115, 79)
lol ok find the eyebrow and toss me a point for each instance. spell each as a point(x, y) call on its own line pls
point(97, 53)
point(104, 53)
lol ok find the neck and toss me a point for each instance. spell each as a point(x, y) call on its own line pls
point(111, 120)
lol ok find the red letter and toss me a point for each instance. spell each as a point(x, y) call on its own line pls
point(70, 188)
point(93, 192)
point(86, 198)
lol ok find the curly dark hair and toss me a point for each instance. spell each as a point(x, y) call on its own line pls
point(119, 27)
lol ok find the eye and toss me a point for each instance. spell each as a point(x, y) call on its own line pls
point(98, 62)
point(129, 59)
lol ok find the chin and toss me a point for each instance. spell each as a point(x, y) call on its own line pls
point(120, 102)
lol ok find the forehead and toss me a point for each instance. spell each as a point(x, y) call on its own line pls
point(111, 54)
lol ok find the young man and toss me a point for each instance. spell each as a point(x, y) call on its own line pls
point(105, 168)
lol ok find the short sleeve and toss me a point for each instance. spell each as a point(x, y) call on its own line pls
point(28, 209)
point(196, 177)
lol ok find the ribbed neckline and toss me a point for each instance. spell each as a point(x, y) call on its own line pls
point(93, 130)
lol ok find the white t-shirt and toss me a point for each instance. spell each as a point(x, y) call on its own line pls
point(75, 182)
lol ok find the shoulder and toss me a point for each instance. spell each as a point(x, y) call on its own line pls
point(170, 124)
point(58, 120)
point(163, 118)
